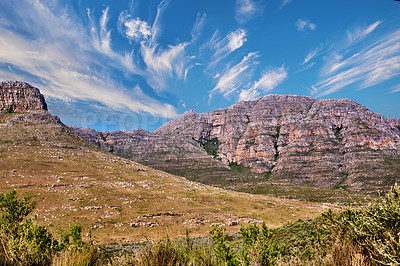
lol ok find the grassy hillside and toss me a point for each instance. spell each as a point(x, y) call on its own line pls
point(117, 200)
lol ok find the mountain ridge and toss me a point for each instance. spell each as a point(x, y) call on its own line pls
point(329, 143)
point(296, 139)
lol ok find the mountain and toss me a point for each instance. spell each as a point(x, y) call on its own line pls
point(334, 143)
point(20, 96)
point(115, 199)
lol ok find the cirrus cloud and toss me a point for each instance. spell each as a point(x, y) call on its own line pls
point(247, 9)
point(68, 59)
point(233, 78)
point(269, 80)
point(377, 61)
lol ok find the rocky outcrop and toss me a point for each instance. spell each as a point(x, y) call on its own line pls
point(18, 96)
point(165, 152)
point(323, 143)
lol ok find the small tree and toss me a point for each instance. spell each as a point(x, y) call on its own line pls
point(22, 240)
point(221, 247)
point(13, 210)
point(257, 246)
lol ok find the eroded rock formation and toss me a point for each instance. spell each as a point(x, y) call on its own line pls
point(324, 143)
point(16, 96)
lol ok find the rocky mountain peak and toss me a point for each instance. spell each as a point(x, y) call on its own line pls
point(16, 96)
point(323, 143)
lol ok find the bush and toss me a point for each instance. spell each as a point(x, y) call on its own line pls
point(22, 240)
point(375, 229)
point(86, 255)
point(72, 238)
point(258, 249)
point(222, 248)
point(167, 252)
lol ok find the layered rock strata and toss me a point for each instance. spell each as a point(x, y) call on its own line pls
point(16, 96)
point(323, 143)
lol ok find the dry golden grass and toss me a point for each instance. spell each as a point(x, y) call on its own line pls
point(117, 200)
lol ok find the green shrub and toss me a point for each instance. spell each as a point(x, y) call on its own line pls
point(22, 240)
point(13, 211)
point(258, 249)
point(72, 238)
point(307, 240)
point(222, 248)
point(375, 228)
point(31, 244)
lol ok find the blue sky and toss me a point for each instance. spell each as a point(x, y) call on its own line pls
point(134, 64)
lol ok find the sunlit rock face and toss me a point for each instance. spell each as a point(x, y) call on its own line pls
point(16, 96)
point(323, 143)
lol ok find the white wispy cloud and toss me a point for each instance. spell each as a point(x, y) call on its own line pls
point(269, 81)
point(395, 89)
point(105, 34)
point(310, 59)
point(360, 33)
point(303, 25)
point(235, 77)
point(311, 55)
point(100, 38)
point(162, 63)
point(198, 25)
point(188, 68)
point(248, 94)
point(133, 28)
point(156, 28)
point(225, 46)
point(376, 62)
point(69, 61)
point(233, 41)
point(285, 2)
point(247, 9)
point(236, 39)
point(334, 58)
point(133, 5)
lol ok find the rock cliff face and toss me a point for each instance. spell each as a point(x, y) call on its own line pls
point(165, 152)
point(323, 143)
point(18, 96)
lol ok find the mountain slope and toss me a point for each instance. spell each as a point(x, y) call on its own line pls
point(296, 139)
point(116, 199)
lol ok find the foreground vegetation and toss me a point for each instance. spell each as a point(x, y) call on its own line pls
point(367, 236)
